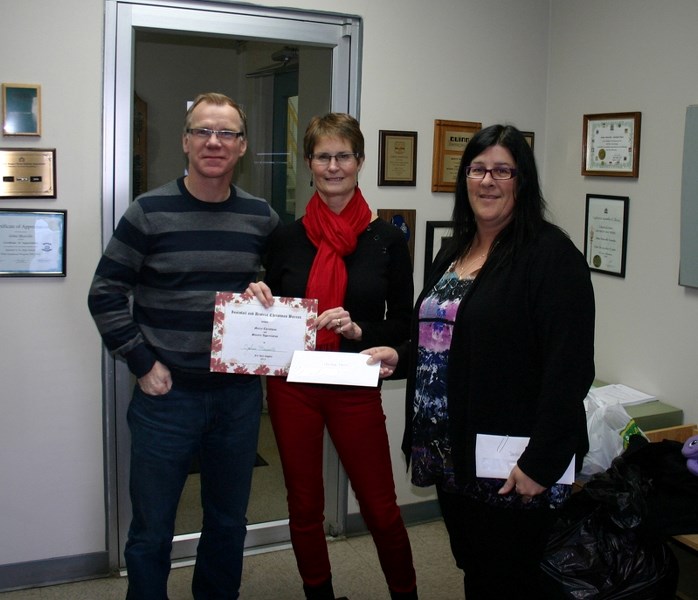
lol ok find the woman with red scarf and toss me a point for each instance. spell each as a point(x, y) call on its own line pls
point(359, 269)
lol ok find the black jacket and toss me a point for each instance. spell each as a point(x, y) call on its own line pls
point(522, 357)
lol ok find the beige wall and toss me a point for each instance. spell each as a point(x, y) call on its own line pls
point(539, 64)
point(623, 56)
point(52, 498)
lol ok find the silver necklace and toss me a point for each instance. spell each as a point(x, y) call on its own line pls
point(461, 271)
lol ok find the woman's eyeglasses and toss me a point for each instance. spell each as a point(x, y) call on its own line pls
point(342, 158)
point(479, 172)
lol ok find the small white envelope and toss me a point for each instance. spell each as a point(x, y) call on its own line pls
point(496, 455)
point(334, 368)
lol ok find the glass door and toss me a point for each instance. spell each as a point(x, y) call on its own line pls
point(144, 42)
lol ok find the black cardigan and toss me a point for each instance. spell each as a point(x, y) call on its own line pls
point(380, 288)
point(522, 357)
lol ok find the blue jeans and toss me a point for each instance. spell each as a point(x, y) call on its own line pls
point(221, 427)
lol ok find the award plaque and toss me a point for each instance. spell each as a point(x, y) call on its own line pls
point(397, 155)
point(450, 139)
point(27, 173)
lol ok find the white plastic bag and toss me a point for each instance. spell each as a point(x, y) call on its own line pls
point(610, 427)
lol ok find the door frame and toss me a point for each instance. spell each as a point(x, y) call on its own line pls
point(341, 34)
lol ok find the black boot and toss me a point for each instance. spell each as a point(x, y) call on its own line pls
point(411, 595)
point(323, 591)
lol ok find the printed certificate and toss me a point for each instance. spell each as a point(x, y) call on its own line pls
point(251, 339)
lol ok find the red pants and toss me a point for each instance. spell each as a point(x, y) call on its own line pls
point(355, 421)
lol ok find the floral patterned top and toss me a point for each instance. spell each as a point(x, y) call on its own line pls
point(432, 463)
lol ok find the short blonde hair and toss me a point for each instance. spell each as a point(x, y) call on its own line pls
point(218, 100)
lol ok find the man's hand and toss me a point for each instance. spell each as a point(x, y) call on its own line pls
point(262, 292)
point(157, 381)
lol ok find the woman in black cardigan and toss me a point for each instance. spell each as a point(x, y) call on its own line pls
point(502, 344)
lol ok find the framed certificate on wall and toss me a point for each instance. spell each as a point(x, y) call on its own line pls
point(606, 233)
point(611, 144)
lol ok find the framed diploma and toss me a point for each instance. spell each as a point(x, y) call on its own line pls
point(450, 139)
point(611, 145)
point(21, 109)
point(27, 173)
point(32, 243)
point(606, 233)
point(397, 158)
point(251, 339)
point(438, 234)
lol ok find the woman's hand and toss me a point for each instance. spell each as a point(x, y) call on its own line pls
point(339, 320)
point(262, 292)
point(386, 356)
point(522, 484)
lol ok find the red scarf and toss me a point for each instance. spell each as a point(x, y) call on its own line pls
point(334, 236)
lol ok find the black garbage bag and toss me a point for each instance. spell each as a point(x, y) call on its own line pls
point(600, 548)
point(672, 498)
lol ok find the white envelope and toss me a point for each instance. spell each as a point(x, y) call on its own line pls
point(496, 455)
point(334, 368)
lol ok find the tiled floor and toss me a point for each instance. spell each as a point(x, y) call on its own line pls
point(273, 575)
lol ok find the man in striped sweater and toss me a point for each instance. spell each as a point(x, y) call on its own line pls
point(152, 299)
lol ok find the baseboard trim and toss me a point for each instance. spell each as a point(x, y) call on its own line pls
point(67, 569)
point(40, 573)
point(412, 514)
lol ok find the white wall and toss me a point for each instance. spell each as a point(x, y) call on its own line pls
point(623, 56)
point(475, 60)
point(52, 491)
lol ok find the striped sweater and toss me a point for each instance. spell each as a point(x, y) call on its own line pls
point(153, 293)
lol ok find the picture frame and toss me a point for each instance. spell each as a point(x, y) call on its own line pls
point(450, 139)
point(405, 220)
point(611, 144)
point(32, 242)
point(397, 158)
point(27, 173)
point(21, 109)
point(530, 138)
point(606, 233)
point(437, 234)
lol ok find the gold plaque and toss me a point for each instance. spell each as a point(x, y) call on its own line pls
point(27, 173)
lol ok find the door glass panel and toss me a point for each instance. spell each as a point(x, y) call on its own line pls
point(268, 89)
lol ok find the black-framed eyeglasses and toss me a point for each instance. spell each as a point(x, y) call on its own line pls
point(342, 158)
point(499, 173)
point(222, 134)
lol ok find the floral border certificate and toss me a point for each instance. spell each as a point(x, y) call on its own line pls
point(249, 339)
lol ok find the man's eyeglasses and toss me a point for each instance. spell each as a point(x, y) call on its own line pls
point(222, 134)
point(342, 158)
point(479, 172)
